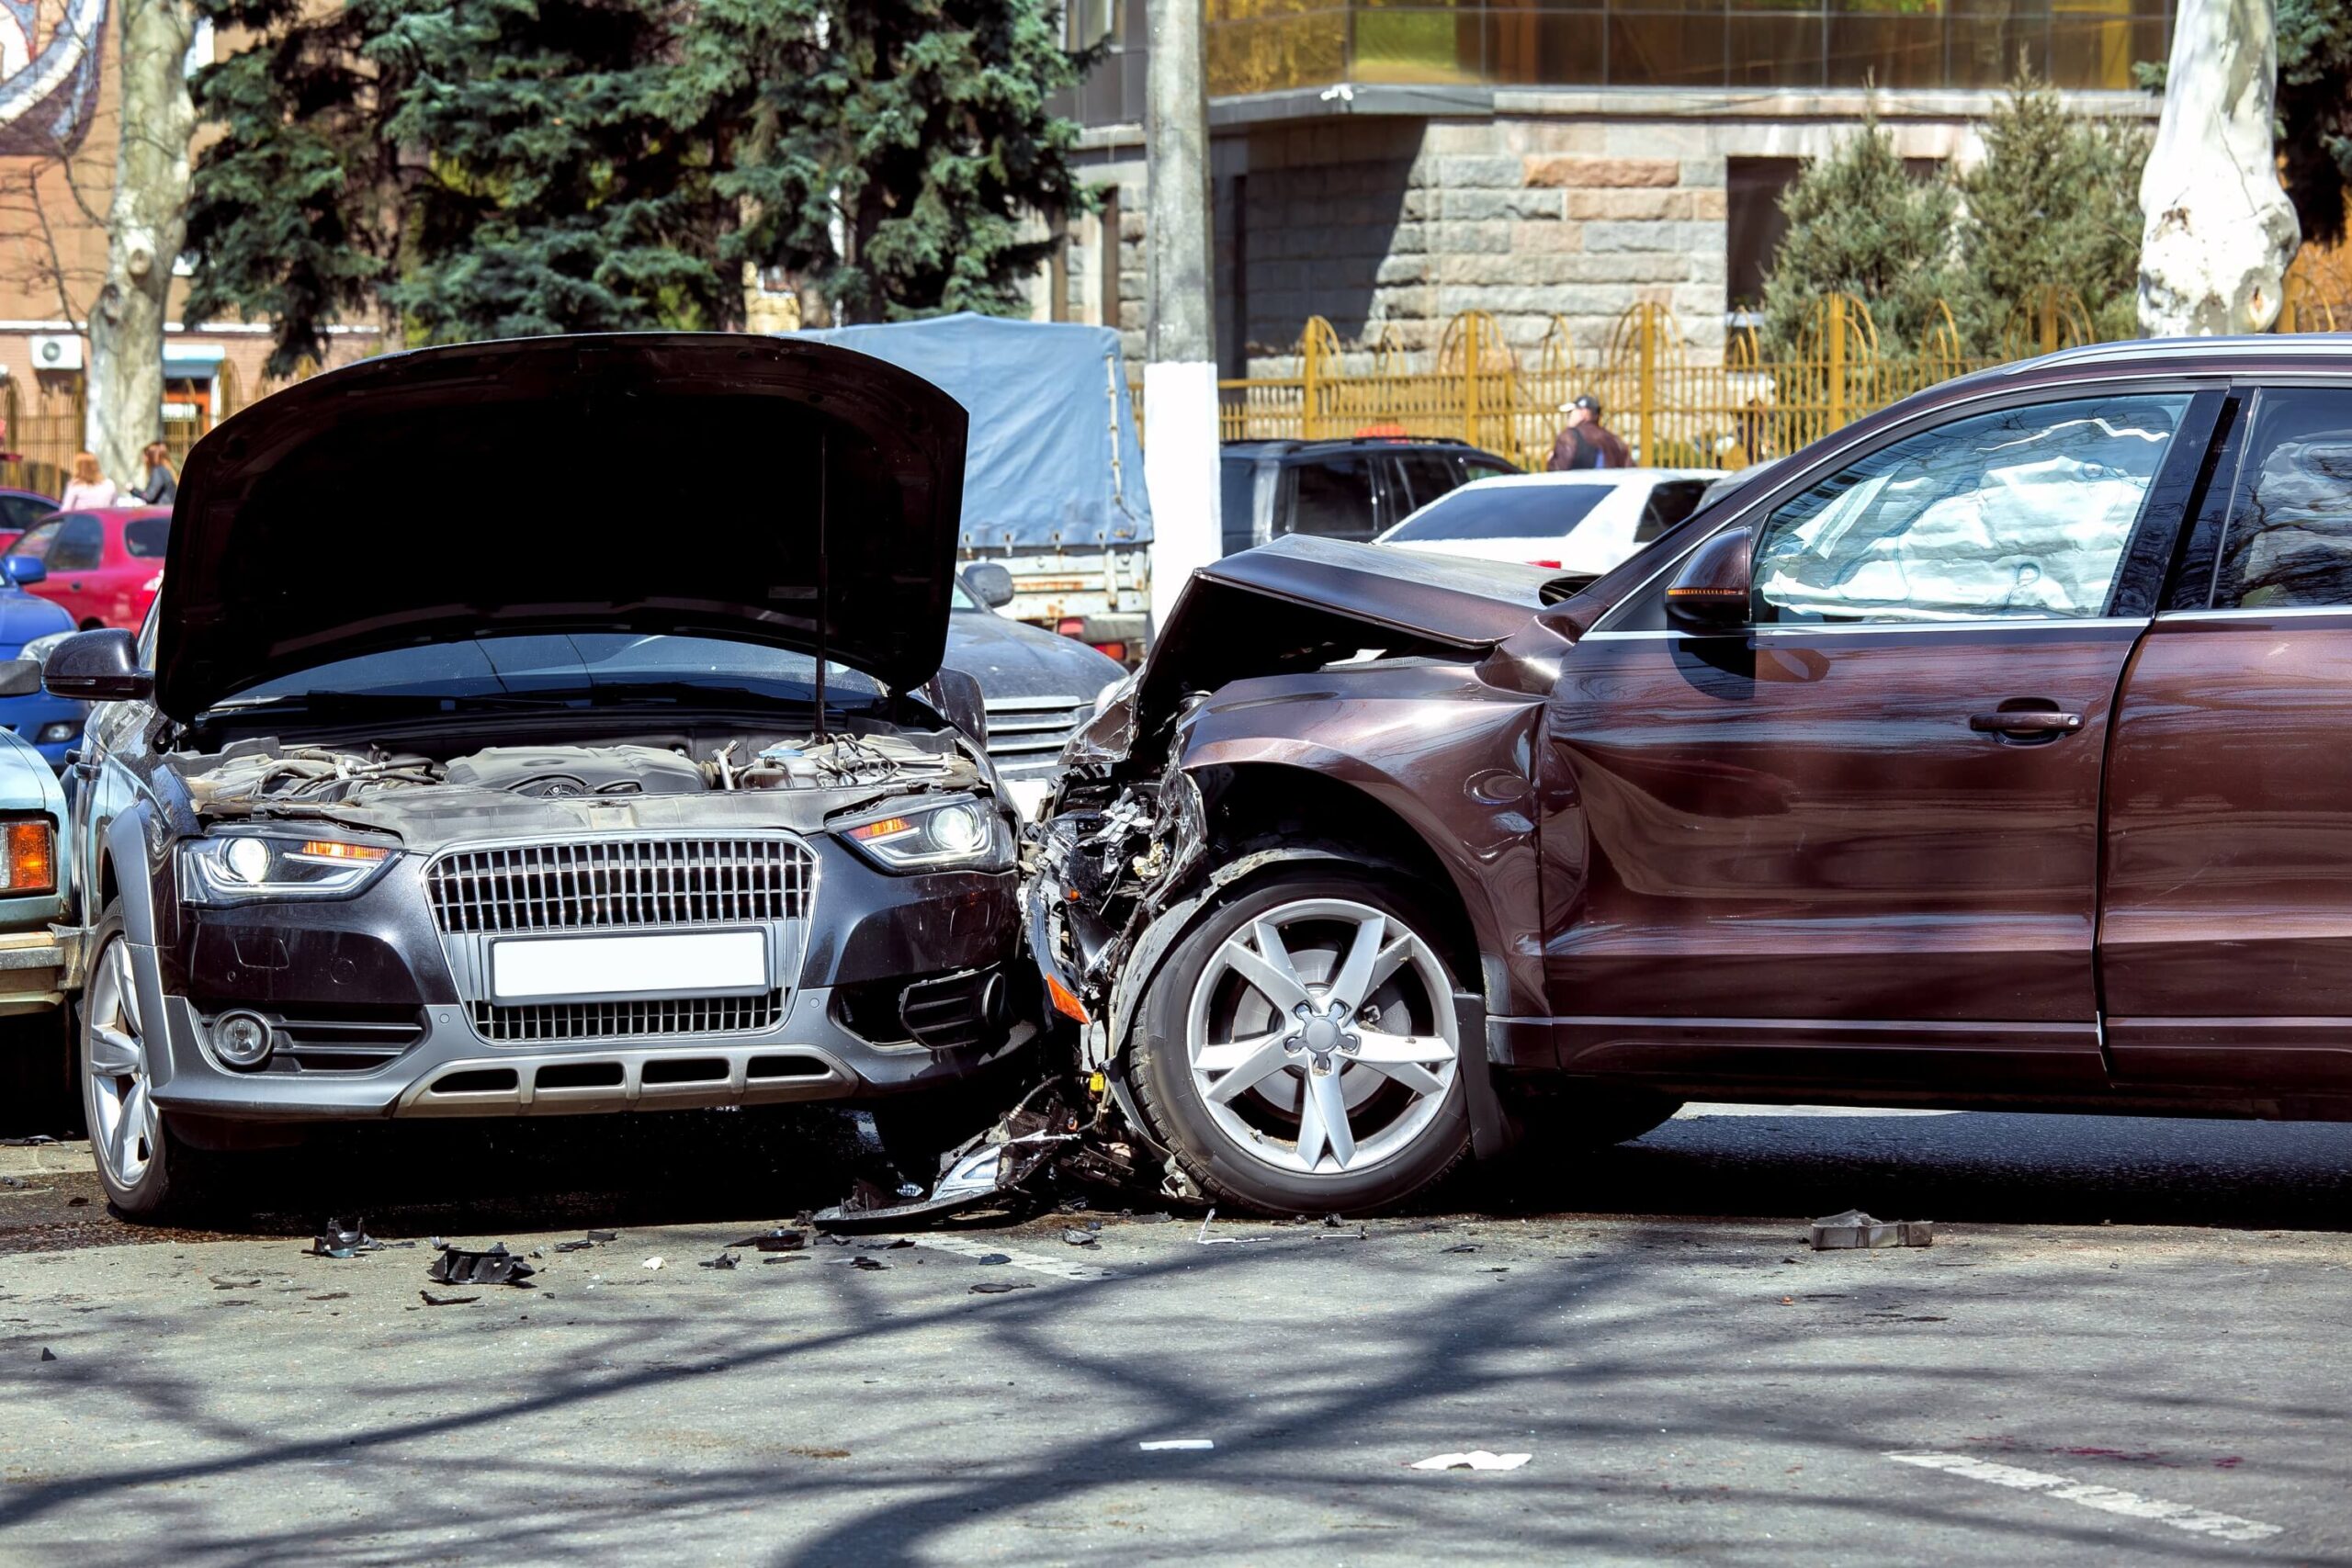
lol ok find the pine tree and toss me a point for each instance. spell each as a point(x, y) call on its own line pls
point(2315, 107)
point(2053, 204)
point(890, 149)
point(1860, 224)
point(480, 168)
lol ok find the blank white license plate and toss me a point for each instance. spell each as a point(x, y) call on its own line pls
point(681, 964)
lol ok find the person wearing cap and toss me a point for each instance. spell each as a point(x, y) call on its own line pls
point(1584, 442)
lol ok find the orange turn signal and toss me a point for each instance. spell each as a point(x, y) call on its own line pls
point(329, 848)
point(889, 827)
point(32, 858)
point(1065, 1004)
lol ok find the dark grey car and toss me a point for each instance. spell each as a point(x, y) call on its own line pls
point(1038, 685)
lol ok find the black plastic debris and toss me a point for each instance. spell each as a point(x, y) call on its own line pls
point(782, 1238)
point(862, 1262)
point(894, 1246)
point(1855, 1229)
point(786, 1258)
point(999, 1287)
point(456, 1266)
point(433, 1301)
point(573, 1245)
point(48, 1355)
point(724, 1260)
point(34, 1142)
point(993, 1258)
point(77, 1202)
point(1464, 1246)
point(345, 1239)
point(603, 1235)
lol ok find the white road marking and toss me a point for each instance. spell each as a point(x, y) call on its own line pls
point(1036, 1262)
point(2108, 1499)
point(1177, 1445)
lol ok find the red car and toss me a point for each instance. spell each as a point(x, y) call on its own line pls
point(104, 564)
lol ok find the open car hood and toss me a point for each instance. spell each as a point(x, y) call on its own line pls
point(751, 488)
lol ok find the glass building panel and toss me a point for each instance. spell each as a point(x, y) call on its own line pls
point(1664, 49)
point(1775, 51)
point(2095, 47)
point(1545, 48)
point(1886, 52)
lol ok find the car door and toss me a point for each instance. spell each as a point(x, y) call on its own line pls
point(1858, 842)
point(76, 559)
point(1424, 474)
point(2226, 931)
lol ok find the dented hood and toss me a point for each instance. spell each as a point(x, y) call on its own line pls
point(1299, 600)
point(751, 488)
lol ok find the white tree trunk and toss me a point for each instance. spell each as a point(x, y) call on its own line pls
point(2220, 231)
point(146, 225)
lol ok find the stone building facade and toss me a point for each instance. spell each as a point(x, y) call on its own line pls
point(1391, 208)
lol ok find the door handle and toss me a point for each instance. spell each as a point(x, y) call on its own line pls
point(2026, 721)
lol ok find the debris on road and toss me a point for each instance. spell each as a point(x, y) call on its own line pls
point(1072, 1236)
point(340, 1240)
point(993, 1258)
point(433, 1301)
point(1476, 1459)
point(724, 1260)
point(47, 1354)
point(1041, 1142)
point(603, 1235)
point(782, 1238)
point(862, 1262)
point(1176, 1445)
point(650, 1263)
point(1855, 1229)
point(457, 1266)
point(1464, 1246)
point(999, 1287)
point(573, 1245)
point(233, 1282)
point(1205, 1239)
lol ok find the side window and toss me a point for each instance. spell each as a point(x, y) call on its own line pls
point(1428, 475)
point(1484, 467)
point(1670, 501)
point(147, 538)
point(20, 510)
point(2022, 512)
point(37, 541)
point(2288, 539)
point(1333, 498)
point(80, 546)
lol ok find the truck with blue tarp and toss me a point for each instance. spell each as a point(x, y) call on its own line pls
point(1053, 474)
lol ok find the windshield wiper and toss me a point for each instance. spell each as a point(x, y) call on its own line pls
point(329, 702)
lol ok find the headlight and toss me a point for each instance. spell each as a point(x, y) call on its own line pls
point(57, 730)
point(236, 868)
point(967, 834)
point(1112, 691)
point(38, 650)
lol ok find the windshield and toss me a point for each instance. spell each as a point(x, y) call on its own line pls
point(959, 600)
point(558, 667)
point(1502, 512)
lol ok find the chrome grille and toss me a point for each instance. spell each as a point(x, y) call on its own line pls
point(1025, 734)
point(609, 883)
point(532, 1022)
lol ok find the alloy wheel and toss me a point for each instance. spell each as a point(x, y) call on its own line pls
point(126, 1130)
point(1322, 1037)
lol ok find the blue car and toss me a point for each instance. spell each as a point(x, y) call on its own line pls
point(29, 626)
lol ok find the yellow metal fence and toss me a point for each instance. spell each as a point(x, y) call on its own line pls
point(1673, 405)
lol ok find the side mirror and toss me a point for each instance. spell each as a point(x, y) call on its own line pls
point(1709, 595)
point(989, 583)
point(20, 677)
point(97, 667)
point(25, 570)
point(957, 697)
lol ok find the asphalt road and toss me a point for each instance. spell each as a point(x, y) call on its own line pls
point(2126, 1346)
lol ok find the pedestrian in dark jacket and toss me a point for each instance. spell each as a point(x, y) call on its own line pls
point(1585, 442)
point(163, 485)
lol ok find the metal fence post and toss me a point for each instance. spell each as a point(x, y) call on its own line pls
point(1310, 375)
point(1645, 397)
point(1837, 351)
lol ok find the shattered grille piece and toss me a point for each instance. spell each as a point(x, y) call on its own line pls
point(618, 883)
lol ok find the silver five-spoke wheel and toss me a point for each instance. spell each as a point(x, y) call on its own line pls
point(126, 1131)
point(1322, 1037)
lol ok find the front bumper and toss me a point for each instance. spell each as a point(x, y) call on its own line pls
point(452, 1071)
point(371, 1019)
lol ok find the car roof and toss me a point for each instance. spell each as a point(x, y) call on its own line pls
point(1610, 477)
point(1291, 446)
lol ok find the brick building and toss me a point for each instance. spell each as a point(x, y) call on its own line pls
point(1391, 166)
point(60, 120)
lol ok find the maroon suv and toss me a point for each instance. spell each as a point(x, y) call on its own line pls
point(1995, 750)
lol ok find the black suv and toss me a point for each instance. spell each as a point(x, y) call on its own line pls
point(1339, 490)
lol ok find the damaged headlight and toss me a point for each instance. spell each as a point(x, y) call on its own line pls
point(959, 835)
point(236, 868)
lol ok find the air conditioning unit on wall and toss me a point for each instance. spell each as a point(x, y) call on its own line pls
point(56, 351)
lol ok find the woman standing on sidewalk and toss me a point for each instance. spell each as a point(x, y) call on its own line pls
point(90, 488)
point(162, 483)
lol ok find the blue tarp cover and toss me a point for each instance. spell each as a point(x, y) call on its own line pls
point(1053, 458)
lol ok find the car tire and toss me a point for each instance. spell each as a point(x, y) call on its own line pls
point(1338, 1117)
point(147, 1173)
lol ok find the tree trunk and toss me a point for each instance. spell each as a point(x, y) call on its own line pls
point(2220, 231)
point(146, 225)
